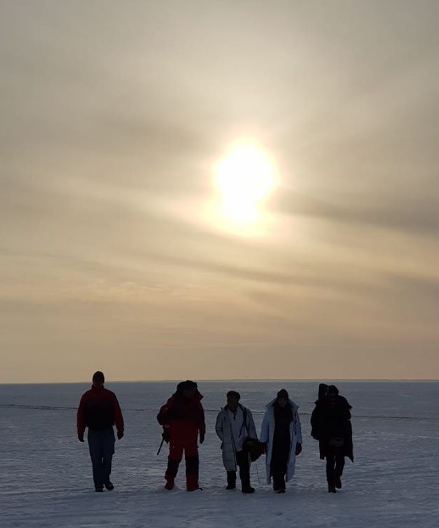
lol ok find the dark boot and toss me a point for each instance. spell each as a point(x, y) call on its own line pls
point(231, 480)
point(331, 487)
point(169, 483)
point(338, 482)
point(109, 485)
point(248, 489)
point(192, 465)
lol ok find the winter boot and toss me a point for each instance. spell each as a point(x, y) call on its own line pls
point(248, 489)
point(331, 487)
point(109, 486)
point(231, 480)
point(169, 483)
point(192, 482)
point(338, 482)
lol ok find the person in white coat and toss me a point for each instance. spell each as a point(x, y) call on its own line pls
point(282, 435)
point(234, 424)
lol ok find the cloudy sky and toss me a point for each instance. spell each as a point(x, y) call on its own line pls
point(115, 251)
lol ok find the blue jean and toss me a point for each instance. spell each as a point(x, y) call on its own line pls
point(101, 446)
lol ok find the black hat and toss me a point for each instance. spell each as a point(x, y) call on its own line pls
point(98, 374)
point(282, 395)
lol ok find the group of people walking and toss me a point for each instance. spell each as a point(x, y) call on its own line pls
point(183, 423)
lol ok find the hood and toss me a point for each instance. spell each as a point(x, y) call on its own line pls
point(270, 405)
point(225, 408)
point(197, 396)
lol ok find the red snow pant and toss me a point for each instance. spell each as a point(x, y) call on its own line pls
point(185, 440)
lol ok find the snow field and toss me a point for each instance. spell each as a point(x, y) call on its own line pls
point(45, 473)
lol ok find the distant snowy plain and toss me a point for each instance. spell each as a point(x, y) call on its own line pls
point(45, 473)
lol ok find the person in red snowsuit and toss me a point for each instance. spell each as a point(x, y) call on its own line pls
point(182, 418)
point(99, 410)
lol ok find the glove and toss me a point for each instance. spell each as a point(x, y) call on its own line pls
point(166, 436)
point(119, 435)
point(298, 449)
point(201, 438)
point(81, 437)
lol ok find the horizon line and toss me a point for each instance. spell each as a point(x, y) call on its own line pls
point(297, 380)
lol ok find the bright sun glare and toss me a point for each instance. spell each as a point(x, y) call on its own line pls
point(244, 178)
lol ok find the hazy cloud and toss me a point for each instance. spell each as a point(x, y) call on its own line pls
point(113, 117)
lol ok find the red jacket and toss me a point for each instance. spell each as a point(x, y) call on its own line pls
point(183, 418)
point(99, 410)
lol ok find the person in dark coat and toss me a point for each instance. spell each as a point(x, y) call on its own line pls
point(182, 418)
point(331, 426)
point(99, 410)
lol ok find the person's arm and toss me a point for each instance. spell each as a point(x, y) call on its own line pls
point(265, 428)
point(118, 418)
point(165, 413)
point(298, 433)
point(316, 423)
point(298, 427)
point(251, 425)
point(201, 423)
point(80, 420)
point(219, 426)
point(163, 419)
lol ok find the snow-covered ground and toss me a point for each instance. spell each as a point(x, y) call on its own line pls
point(45, 473)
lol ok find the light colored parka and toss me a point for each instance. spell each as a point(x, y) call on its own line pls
point(223, 429)
point(267, 435)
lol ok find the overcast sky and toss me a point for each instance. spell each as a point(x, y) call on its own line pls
point(113, 117)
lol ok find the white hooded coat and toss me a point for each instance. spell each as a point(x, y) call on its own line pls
point(223, 429)
point(267, 435)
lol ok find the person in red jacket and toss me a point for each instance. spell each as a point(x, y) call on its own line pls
point(182, 418)
point(99, 410)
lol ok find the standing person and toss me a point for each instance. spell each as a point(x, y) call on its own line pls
point(99, 410)
point(234, 424)
point(282, 434)
point(182, 418)
point(331, 426)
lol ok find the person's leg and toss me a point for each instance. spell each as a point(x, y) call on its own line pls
point(192, 466)
point(242, 459)
point(174, 459)
point(108, 452)
point(95, 446)
point(330, 469)
point(231, 480)
point(278, 468)
point(339, 466)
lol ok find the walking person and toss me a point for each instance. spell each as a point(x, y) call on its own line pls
point(234, 424)
point(99, 410)
point(182, 418)
point(331, 426)
point(282, 435)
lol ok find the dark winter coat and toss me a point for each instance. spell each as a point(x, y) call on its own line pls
point(332, 421)
point(99, 410)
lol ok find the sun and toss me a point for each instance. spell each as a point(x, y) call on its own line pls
point(244, 179)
